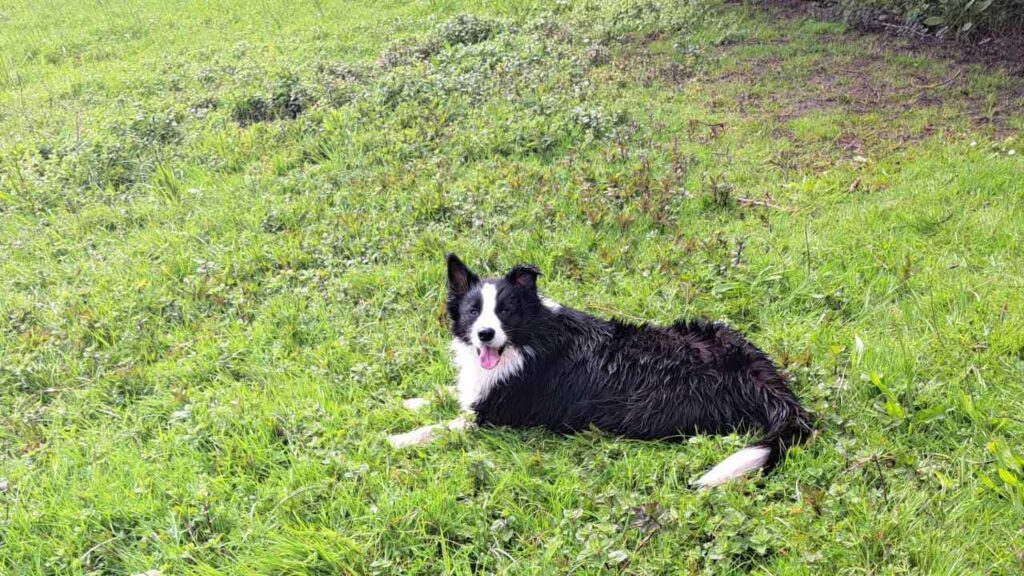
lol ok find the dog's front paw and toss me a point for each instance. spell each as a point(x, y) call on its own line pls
point(460, 424)
point(415, 404)
point(417, 437)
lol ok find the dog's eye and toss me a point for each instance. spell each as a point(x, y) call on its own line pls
point(500, 309)
point(474, 309)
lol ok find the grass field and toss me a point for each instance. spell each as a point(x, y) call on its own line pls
point(222, 228)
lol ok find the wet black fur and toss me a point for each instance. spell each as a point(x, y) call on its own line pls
point(639, 381)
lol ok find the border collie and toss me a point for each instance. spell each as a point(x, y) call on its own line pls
point(524, 360)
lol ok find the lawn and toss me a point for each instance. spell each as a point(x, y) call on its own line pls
point(222, 229)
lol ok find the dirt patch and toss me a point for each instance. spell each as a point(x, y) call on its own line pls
point(672, 73)
point(867, 80)
point(875, 94)
point(1003, 50)
point(859, 86)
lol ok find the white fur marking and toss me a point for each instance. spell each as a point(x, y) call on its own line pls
point(415, 404)
point(475, 382)
point(735, 466)
point(550, 304)
point(417, 437)
point(460, 424)
point(426, 434)
point(488, 318)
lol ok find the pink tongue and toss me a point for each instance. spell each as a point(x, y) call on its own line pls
point(488, 358)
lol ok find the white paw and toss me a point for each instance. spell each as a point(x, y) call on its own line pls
point(417, 437)
point(460, 424)
point(415, 404)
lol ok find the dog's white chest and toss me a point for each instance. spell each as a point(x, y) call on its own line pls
point(474, 382)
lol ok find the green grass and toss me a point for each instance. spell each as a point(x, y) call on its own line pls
point(221, 237)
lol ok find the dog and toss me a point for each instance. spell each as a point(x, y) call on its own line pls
point(526, 361)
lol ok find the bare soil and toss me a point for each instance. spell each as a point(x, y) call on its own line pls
point(871, 83)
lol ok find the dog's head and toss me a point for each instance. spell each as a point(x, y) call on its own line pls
point(493, 315)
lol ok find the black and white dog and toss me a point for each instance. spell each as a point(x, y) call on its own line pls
point(526, 361)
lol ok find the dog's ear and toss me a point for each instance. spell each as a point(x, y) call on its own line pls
point(523, 276)
point(460, 278)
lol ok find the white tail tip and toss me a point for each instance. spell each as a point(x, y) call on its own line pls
point(735, 466)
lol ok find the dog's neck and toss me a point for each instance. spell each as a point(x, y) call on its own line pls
point(475, 382)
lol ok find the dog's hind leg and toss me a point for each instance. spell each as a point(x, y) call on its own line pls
point(788, 426)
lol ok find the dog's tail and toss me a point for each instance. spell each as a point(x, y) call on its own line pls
point(787, 425)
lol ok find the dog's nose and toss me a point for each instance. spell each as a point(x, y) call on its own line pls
point(485, 334)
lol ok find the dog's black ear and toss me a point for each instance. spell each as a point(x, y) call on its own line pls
point(460, 278)
point(523, 276)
